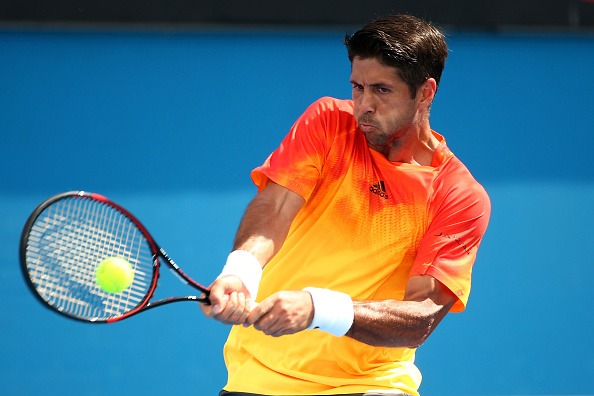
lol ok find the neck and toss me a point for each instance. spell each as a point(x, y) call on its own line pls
point(416, 147)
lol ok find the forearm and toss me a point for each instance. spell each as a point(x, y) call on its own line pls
point(258, 232)
point(266, 222)
point(261, 233)
point(393, 324)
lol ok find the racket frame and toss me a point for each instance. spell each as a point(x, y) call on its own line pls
point(158, 255)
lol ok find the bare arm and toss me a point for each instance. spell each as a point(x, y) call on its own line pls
point(261, 232)
point(266, 221)
point(384, 323)
point(408, 323)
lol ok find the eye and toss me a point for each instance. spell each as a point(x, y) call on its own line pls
point(358, 87)
point(383, 90)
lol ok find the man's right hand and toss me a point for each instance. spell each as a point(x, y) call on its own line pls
point(229, 301)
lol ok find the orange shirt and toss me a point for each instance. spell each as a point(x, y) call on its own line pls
point(367, 225)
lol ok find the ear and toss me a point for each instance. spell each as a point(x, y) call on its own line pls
point(426, 93)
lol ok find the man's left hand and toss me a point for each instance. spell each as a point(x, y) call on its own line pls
point(285, 312)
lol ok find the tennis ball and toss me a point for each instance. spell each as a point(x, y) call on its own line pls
point(114, 274)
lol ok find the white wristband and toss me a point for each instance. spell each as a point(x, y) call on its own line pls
point(333, 311)
point(246, 267)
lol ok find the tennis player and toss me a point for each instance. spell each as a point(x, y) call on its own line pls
point(362, 236)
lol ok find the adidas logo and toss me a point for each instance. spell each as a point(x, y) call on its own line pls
point(379, 189)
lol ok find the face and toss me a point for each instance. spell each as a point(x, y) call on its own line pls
point(383, 108)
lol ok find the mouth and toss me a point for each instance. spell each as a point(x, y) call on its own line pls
point(366, 124)
point(366, 128)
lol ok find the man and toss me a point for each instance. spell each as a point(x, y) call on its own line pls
point(367, 227)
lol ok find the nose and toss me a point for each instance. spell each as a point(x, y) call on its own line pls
point(367, 102)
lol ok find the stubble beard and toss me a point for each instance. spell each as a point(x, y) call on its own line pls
point(392, 136)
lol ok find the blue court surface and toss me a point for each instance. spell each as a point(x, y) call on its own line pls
point(170, 123)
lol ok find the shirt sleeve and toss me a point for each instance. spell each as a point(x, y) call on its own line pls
point(297, 163)
point(449, 248)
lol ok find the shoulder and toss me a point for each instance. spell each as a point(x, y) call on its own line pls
point(328, 116)
point(331, 107)
point(334, 104)
point(457, 189)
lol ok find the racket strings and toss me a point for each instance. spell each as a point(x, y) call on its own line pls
point(67, 242)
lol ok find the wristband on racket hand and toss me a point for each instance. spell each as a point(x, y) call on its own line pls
point(333, 311)
point(246, 267)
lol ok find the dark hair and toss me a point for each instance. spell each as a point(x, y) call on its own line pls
point(414, 47)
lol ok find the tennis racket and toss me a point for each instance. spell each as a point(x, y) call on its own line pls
point(69, 234)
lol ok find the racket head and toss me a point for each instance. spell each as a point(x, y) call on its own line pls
point(64, 240)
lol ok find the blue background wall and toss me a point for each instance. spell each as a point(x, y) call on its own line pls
point(169, 124)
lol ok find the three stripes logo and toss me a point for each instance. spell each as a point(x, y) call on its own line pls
point(379, 189)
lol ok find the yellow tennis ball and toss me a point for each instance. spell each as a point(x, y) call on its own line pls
point(114, 274)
